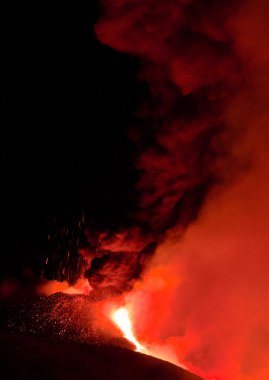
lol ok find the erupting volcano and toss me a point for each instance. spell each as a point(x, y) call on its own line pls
point(158, 224)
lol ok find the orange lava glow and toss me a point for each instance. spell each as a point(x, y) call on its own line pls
point(123, 321)
point(48, 288)
point(122, 318)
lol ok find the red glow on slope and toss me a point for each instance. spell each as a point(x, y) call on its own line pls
point(122, 318)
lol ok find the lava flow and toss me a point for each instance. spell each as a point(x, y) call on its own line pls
point(122, 320)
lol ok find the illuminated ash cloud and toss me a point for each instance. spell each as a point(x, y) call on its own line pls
point(187, 59)
point(116, 259)
point(207, 68)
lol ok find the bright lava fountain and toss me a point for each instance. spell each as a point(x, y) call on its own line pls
point(122, 320)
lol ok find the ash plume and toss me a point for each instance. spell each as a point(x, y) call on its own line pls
point(188, 61)
point(201, 138)
point(203, 132)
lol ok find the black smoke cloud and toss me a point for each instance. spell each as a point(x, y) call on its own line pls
point(188, 61)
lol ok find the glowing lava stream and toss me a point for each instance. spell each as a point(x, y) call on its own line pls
point(122, 320)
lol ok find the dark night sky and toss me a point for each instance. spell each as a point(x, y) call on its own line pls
point(66, 104)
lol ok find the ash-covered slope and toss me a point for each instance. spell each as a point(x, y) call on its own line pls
point(33, 358)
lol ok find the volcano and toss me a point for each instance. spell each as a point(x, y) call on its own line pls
point(36, 343)
point(135, 180)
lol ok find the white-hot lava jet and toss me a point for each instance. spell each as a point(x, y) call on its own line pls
point(122, 320)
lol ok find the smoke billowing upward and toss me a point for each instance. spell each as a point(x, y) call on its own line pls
point(187, 59)
point(201, 140)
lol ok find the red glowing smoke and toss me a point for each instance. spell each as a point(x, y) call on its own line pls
point(191, 68)
point(188, 61)
point(205, 123)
